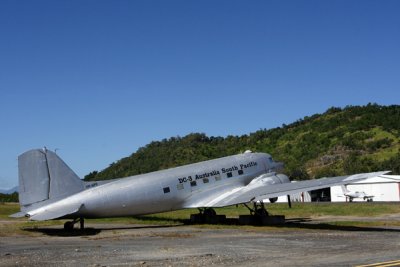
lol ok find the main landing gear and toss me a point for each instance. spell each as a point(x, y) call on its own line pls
point(260, 216)
point(207, 215)
point(207, 212)
point(69, 226)
point(258, 209)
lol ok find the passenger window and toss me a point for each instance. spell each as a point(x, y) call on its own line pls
point(193, 183)
point(229, 175)
point(217, 178)
point(205, 180)
point(166, 190)
point(240, 172)
point(179, 186)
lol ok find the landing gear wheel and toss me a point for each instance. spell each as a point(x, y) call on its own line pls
point(258, 209)
point(69, 226)
point(209, 212)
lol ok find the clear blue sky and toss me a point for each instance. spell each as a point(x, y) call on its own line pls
point(99, 79)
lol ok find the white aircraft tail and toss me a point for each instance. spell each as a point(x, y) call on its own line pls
point(344, 189)
point(44, 177)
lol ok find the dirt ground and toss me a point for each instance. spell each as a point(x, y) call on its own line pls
point(304, 243)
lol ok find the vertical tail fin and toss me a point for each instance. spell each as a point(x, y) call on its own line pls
point(344, 189)
point(43, 176)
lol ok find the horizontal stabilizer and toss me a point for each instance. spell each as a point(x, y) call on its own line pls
point(18, 215)
point(55, 212)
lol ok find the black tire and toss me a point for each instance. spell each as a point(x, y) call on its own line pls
point(68, 226)
point(273, 200)
point(209, 212)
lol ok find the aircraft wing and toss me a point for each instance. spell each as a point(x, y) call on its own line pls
point(259, 191)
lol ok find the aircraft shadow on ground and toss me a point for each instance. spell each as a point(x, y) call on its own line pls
point(308, 223)
point(327, 226)
point(294, 223)
point(155, 218)
point(66, 233)
point(302, 223)
point(90, 231)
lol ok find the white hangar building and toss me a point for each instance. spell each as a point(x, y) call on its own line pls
point(382, 188)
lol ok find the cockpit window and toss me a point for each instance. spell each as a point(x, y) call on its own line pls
point(270, 159)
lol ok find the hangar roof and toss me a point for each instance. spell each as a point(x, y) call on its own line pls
point(380, 179)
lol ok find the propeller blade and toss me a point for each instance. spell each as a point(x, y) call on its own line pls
point(289, 201)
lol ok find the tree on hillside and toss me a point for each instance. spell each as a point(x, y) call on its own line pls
point(354, 139)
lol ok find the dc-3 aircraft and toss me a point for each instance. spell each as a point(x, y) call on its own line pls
point(49, 189)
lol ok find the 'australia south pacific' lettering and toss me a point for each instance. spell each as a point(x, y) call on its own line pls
point(207, 174)
point(241, 167)
point(248, 165)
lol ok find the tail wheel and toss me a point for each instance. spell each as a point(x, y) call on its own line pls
point(69, 226)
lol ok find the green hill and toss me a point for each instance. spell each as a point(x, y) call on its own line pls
point(340, 141)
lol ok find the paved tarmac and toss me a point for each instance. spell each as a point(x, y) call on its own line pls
point(304, 244)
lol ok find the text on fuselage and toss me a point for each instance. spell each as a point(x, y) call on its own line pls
point(224, 170)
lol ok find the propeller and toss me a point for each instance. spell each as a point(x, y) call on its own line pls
point(289, 201)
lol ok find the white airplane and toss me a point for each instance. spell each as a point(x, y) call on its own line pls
point(351, 195)
point(49, 189)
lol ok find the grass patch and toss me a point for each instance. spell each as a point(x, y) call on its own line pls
point(362, 209)
point(7, 208)
point(298, 210)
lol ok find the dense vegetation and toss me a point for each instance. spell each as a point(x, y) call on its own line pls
point(9, 197)
point(340, 141)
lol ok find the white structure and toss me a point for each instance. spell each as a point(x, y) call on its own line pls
point(383, 188)
point(299, 197)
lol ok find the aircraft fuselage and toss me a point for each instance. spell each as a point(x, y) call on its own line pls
point(170, 189)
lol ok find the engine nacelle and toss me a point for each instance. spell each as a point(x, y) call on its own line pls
point(273, 199)
point(271, 178)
